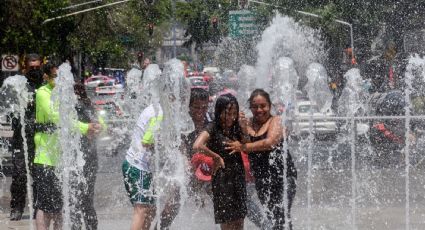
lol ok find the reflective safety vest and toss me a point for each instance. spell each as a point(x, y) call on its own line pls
point(47, 151)
point(153, 125)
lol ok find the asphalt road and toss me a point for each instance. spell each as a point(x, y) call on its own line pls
point(324, 203)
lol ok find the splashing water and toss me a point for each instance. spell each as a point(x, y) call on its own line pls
point(246, 84)
point(285, 82)
point(13, 94)
point(283, 38)
point(317, 87)
point(14, 98)
point(354, 97)
point(70, 168)
point(170, 164)
point(133, 92)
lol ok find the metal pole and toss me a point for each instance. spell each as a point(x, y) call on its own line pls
point(316, 16)
point(173, 7)
point(83, 11)
point(81, 4)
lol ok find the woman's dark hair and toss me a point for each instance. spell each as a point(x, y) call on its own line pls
point(221, 105)
point(259, 92)
point(48, 67)
point(198, 94)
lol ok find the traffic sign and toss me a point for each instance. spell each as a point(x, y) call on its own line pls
point(9, 63)
point(241, 23)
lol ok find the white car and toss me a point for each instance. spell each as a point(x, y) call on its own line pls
point(94, 81)
point(211, 69)
point(198, 82)
point(109, 88)
point(322, 123)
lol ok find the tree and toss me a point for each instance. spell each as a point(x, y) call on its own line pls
point(22, 32)
point(197, 16)
point(106, 36)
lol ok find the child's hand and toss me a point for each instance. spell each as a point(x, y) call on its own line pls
point(218, 163)
point(235, 146)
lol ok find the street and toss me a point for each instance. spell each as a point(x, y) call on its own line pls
point(380, 196)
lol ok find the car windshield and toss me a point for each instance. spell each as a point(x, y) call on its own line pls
point(198, 82)
point(106, 84)
point(306, 109)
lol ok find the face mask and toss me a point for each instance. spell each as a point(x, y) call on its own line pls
point(35, 76)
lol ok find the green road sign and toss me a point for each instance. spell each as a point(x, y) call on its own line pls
point(241, 23)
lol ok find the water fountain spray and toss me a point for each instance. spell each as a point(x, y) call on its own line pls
point(71, 164)
point(317, 87)
point(170, 164)
point(246, 84)
point(14, 99)
point(283, 38)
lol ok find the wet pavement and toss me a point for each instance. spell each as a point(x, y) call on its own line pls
point(380, 197)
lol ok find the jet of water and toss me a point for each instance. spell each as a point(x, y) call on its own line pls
point(71, 164)
point(317, 87)
point(354, 97)
point(285, 82)
point(284, 38)
point(246, 84)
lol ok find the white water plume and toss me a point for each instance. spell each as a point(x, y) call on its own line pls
point(14, 99)
point(70, 168)
point(246, 84)
point(170, 164)
point(285, 81)
point(354, 97)
point(287, 38)
point(317, 87)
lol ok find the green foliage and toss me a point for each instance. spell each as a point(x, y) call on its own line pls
point(196, 15)
point(106, 36)
point(21, 30)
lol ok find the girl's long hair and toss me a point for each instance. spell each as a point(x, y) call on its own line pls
point(220, 106)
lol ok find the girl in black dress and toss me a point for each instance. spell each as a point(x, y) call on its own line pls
point(267, 158)
point(228, 179)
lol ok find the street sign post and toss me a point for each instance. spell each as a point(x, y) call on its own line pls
point(9, 63)
point(241, 23)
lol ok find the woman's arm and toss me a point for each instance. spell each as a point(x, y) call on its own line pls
point(275, 133)
point(200, 146)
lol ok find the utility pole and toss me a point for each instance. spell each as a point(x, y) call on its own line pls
point(173, 8)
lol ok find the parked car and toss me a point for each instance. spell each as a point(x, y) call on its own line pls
point(323, 125)
point(198, 82)
point(211, 69)
point(109, 88)
point(94, 81)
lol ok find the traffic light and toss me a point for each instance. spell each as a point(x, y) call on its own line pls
point(150, 29)
point(214, 22)
point(243, 4)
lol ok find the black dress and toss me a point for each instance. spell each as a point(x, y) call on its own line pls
point(228, 184)
point(267, 168)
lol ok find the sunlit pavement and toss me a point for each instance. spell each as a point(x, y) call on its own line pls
point(380, 199)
